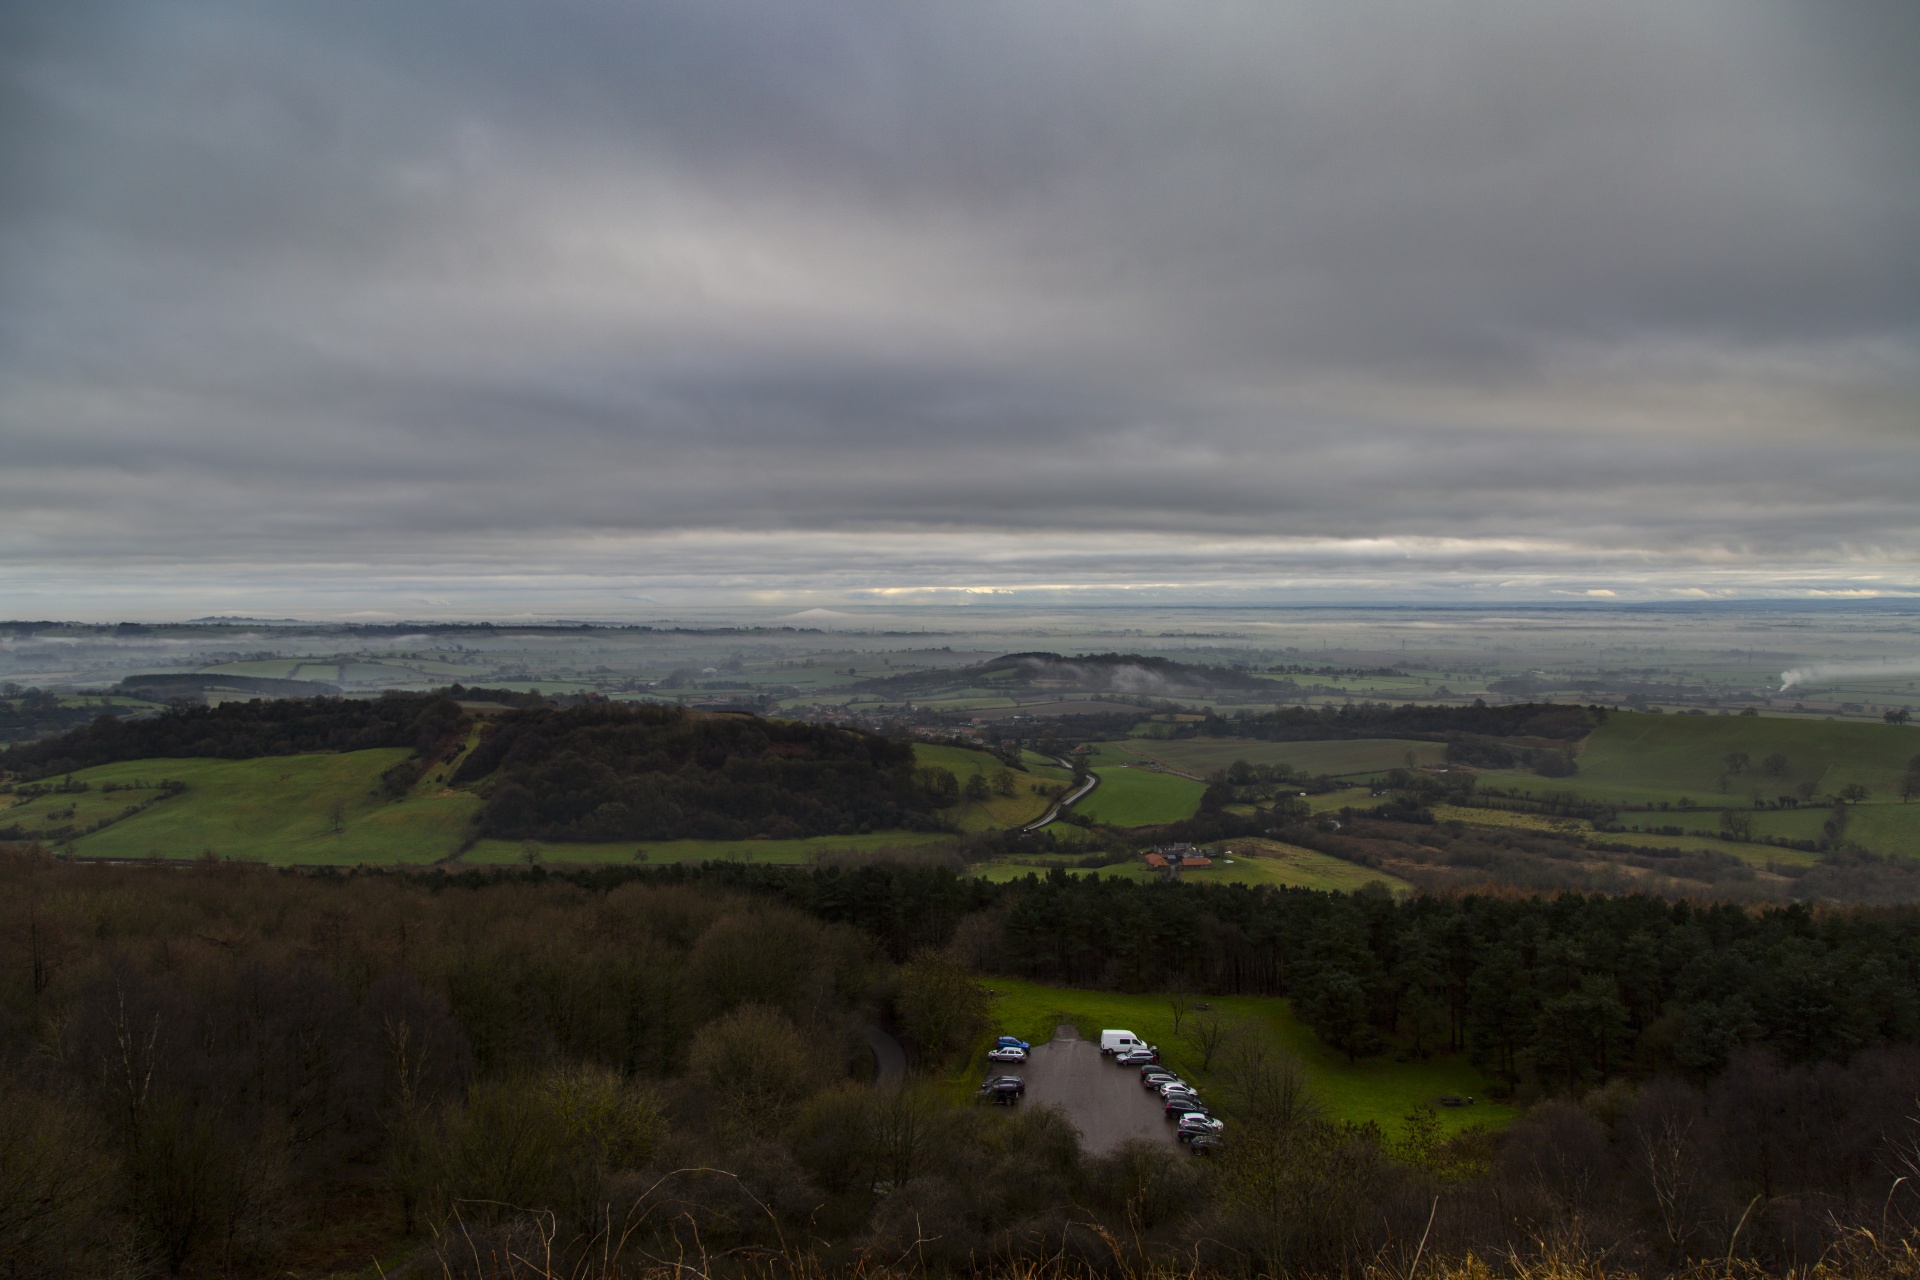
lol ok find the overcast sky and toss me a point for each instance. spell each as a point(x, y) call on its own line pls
point(596, 308)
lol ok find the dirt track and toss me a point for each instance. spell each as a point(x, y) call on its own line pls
point(1104, 1102)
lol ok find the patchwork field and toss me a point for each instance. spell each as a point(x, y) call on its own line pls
point(318, 809)
point(1202, 756)
point(47, 817)
point(1666, 756)
point(1378, 1090)
point(1665, 760)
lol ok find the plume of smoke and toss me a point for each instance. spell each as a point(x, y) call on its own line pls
point(1820, 672)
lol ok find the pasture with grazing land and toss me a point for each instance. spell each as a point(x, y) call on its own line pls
point(1635, 758)
point(311, 809)
point(1135, 796)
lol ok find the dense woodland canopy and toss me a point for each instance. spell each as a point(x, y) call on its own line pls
point(618, 772)
point(237, 1072)
point(1548, 995)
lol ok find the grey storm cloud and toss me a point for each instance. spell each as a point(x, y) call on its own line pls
point(807, 298)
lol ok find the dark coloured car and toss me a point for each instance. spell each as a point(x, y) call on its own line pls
point(1154, 1077)
point(1204, 1144)
point(1178, 1104)
point(1005, 1090)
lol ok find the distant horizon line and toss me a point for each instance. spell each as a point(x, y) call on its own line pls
point(708, 617)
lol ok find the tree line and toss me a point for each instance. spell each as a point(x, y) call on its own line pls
point(244, 730)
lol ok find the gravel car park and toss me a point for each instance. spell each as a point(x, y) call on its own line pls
point(1069, 1073)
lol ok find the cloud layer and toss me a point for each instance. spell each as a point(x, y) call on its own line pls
point(476, 304)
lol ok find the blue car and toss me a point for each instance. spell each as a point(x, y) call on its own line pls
point(1009, 1042)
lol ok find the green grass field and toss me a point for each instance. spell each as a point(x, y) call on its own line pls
point(40, 817)
point(1705, 837)
point(1663, 757)
point(1380, 1090)
point(1137, 797)
point(280, 809)
point(1361, 755)
point(1892, 829)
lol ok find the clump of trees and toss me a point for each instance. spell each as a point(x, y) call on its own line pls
point(612, 772)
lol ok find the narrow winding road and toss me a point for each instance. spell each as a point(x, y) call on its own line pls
point(1093, 780)
point(889, 1058)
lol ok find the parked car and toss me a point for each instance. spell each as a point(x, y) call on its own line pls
point(1112, 1042)
point(1006, 1053)
point(1178, 1104)
point(1175, 1085)
point(1006, 1041)
point(1137, 1057)
point(1204, 1144)
point(1005, 1090)
point(1192, 1126)
point(1152, 1077)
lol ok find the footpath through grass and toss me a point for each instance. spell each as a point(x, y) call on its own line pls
point(1378, 1089)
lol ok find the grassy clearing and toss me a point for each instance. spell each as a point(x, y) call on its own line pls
point(775, 852)
point(1136, 797)
point(282, 809)
point(1382, 1091)
point(1361, 755)
point(1334, 801)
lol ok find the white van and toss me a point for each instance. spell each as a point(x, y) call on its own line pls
point(1112, 1042)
